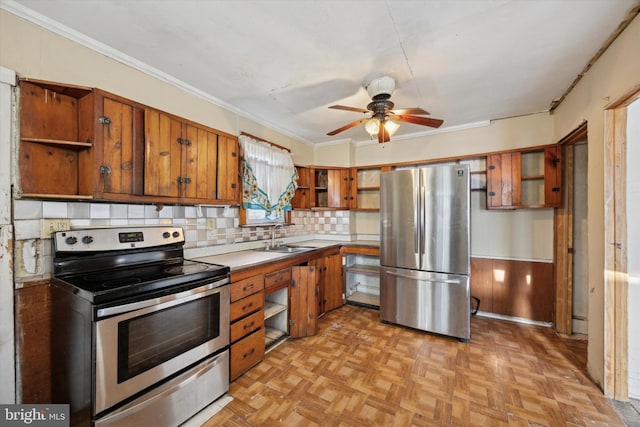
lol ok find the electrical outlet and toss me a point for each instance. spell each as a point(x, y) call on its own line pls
point(48, 226)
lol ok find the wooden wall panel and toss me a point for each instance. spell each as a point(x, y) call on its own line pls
point(514, 288)
point(482, 282)
point(33, 344)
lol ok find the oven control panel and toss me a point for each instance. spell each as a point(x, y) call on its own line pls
point(108, 239)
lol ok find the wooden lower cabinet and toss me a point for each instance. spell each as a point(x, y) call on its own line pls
point(246, 353)
point(246, 317)
point(330, 284)
point(522, 289)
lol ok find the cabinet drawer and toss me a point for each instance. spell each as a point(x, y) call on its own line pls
point(246, 306)
point(246, 353)
point(248, 286)
point(277, 279)
point(247, 325)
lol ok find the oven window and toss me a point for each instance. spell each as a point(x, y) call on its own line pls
point(152, 339)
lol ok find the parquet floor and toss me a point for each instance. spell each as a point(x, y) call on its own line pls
point(360, 372)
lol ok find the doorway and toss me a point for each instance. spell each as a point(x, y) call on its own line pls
point(570, 231)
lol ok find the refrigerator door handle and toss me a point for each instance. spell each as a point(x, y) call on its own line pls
point(421, 219)
point(408, 276)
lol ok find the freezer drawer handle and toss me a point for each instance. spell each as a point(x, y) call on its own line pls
point(407, 276)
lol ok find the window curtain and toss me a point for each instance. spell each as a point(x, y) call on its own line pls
point(269, 178)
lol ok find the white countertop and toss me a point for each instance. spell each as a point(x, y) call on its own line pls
point(250, 257)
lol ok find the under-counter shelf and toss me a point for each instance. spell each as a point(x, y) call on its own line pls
point(273, 336)
point(272, 308)
point(362, 278)
point(373, 270)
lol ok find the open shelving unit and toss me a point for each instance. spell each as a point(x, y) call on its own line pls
point(276, 317)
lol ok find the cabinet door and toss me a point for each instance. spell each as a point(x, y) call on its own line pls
point(552, 176)
point(228, 177)
point(163, 135)
point(302, 196)
point(503, 180)
point(333, 285)
point(320, 265)
point(200, 155)
point(338, 188)
point(120, 156)
point(302, 302)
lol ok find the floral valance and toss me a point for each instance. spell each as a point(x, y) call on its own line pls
point(269, 177)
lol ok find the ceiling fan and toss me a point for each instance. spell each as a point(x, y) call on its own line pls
point(383, 118)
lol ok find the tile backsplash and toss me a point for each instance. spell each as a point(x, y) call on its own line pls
point(203, 226)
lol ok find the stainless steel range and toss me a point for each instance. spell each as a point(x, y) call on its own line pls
point(140, 336)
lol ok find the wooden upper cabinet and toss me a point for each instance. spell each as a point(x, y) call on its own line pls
point(553, 176)
point(228, 169)
point(530, 178)
point(329, 188)
point(85, 143)
point(503, 180)
point(163, 154)
point(55, 157)
point(119, 147)
point(301, 200)
point(200, 164)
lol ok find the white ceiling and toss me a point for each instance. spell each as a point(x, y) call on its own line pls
point(283, 62)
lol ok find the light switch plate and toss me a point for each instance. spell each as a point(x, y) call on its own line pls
point(49, 226)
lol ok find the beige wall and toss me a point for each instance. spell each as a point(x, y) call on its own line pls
point(37, 53)
point(524, 131)
point(613, 75)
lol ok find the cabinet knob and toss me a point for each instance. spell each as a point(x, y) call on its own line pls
point(492, 193)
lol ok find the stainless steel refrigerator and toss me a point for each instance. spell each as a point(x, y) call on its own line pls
point(425, 249)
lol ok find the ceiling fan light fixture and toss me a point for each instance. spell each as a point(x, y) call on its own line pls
point(372, 126)
point(391, 127)
point(384, 85)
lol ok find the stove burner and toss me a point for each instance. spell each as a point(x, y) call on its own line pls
point(120, 282)
point(187, 269)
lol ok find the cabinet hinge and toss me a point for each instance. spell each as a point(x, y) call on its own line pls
point(104, 120)
point(233, 185)
point(234, 154)
point(292, 322)
point(556, 160)
point(105, 170)
point(556, 189)
point(569, 250)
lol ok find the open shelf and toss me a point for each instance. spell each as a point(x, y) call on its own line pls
point(272, 308)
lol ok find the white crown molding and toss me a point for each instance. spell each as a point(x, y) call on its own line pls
point(429, 132)
point(73, 35)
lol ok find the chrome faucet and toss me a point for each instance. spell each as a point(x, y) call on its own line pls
point(273, 234)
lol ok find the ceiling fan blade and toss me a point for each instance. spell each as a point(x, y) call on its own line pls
point(424, 121)
point(345, 127)
point(383, 135)
point(343, 107)
point(410, 111)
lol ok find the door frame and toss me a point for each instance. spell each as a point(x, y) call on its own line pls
point(563, 236)
point(616, 281)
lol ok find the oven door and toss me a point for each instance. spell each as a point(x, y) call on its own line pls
point(141, 343)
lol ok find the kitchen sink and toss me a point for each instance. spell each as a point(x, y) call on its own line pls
point(285, 248)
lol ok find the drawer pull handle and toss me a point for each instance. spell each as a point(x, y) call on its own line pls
point(244, 356)
point(247, 288)
point(249, 325)
point(248, 306)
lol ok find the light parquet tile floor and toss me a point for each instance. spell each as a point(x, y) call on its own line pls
point(358, 371)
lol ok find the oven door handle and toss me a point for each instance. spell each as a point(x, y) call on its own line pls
point(174, 299)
